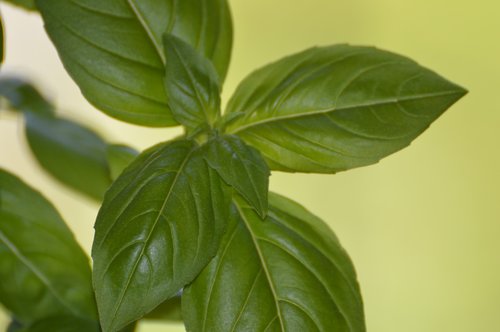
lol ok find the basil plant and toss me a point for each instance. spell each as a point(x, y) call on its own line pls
point(187, 229)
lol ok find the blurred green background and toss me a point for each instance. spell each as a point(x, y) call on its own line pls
point(422, 226)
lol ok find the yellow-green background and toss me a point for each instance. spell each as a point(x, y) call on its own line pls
point(422, 226)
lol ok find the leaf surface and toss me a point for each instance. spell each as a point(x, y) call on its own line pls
point(334, 108)
point(287, 273)
point(113, 49)
point(191, 84)
point(160, 223)
point(43, 270)
point(242, 168)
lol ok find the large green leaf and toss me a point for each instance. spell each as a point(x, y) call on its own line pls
point(113, 49)
point(334, 108)
point(43, 271)
point(160, 224)
point(191, 84)
point(26, 4)
point(241, 167)
point(287, 273)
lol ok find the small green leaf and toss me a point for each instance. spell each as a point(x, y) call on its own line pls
point(334, 108)
point(43, 270)
point(119, 157)
point(160, 223)
point(22, 96)
point(288, 273)
point(71, 153)
point(25, 4)
point(113, 49)
point(63, 324)
point(191, 84)
point(241, 167)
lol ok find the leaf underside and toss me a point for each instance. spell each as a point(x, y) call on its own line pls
point(287, 273)
point(334, 108)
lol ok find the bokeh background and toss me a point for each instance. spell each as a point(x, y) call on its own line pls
point(422, 226)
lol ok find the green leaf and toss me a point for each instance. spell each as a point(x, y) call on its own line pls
point(22, 96)
point(241, 167)
point(113, 49)
point(287, 273)
point(25, 4)
point(169, 310)
point(119, 157)
point(191, 84)
point(160, 223)
point(71, 153)
point(43, 270)
point(334, 108)
point(63, 323)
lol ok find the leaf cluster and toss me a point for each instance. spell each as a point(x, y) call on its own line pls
point(191, 221)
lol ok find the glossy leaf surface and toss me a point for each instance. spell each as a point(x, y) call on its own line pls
point(43, 270)
point(334, 108)
point(191, 84)
point(242, 168)
point(286, 273)
point(113, 49)
point(169, 310)
point(160, 224)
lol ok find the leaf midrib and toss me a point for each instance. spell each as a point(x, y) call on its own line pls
point(39, 274)
point(160, 212)
point(148, 30)
point(380, 102)
point(263, 263)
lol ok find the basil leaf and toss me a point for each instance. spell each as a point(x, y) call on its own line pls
point(334, 108)
point(73, 154)
point(113, 49)
point(241, 167)
point(119, 157)
point(160, 223)
point(25, 4)
point(191, 84)
point(63, 324)
point(43, 271)
point(288, 273)
point(70, 152)
point(22, 96)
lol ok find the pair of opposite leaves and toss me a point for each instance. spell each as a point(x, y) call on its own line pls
point(322, 110)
